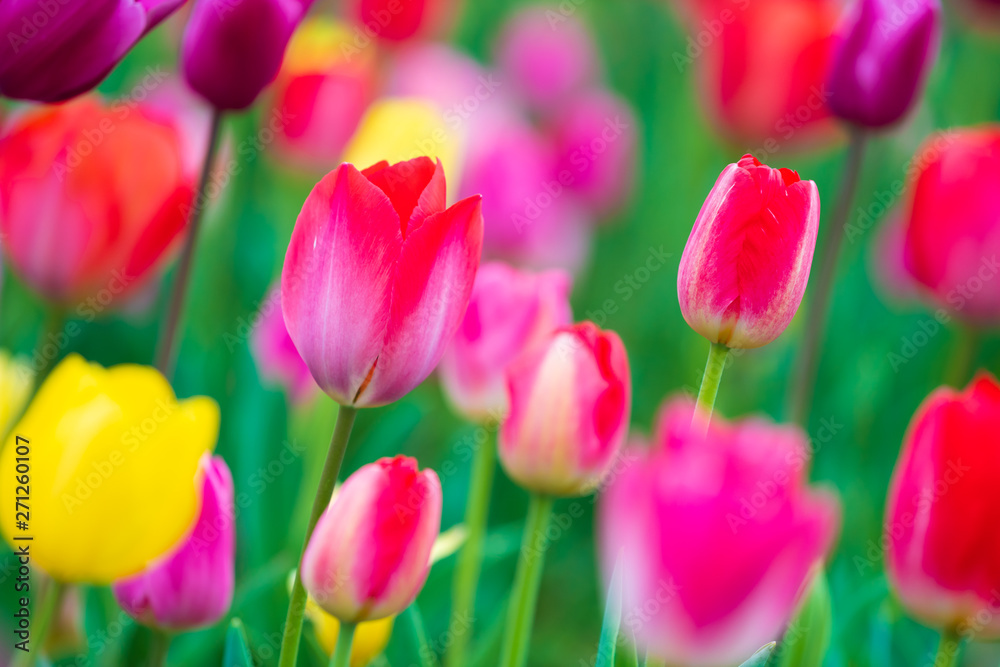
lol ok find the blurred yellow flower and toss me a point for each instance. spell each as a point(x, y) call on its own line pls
point(370, 637)
point(322, 43)
point(113, 469)
point(402, 128)
point(15, 387)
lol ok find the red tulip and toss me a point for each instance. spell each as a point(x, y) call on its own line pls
point(953, 223)
point(398, 20)
point(570, 401)
point(377, 278)
point(371, 550)
point(717, 535)
point(746, 264)
point(92, 198)
point(943, 555)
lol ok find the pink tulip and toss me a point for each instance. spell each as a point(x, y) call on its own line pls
point(377, 278)
point(717, 533)
point(400, 20)
point(371, 550)
point(510, 311)
point(746, 264)
point(570, 401)
point(943, 556)
point(192, 586)
point(277, 359)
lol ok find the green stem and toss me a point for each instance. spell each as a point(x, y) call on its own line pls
point(331, 469)
point(168, 333)
point(963, 356)
point(54, 325)
point(345, 639)
point(48, 607)
point(801, 391)
point(424, 652)
point(470, 559)
point(521, 613)
point(710, 381)
point(159, 647)
point(948, 649)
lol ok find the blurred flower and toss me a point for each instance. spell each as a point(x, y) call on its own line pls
point(398, 20)
point(943, 558)
point(719, 531)
point(274, 351)
point(595, 136)
point(952, 222)
point(377, 278)
point(880, 66)
point(746, 264)
point(510, 311)
point(55, 50)
point(370, 637)
point(233, 48)
point(114, 469)
point(192, 585)
point(570, 400)
point(91, 199)
point(394, 511)
point(448, 77)
point(323, 89)
point(764, 71)
point(545, 60)
point(16, 383)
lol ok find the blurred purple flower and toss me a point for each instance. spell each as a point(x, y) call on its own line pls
point(277, 359)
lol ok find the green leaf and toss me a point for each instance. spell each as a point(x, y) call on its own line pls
point(761, 657)
point(237, 650)
point(612, 618)
point(808, 635)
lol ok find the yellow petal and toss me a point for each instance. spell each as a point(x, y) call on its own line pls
point(370, 638)
point(113, 466)
point(321, 44)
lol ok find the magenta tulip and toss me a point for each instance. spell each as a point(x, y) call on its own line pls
point(570, 401)
point(510, 311)
point(746, 264)
point(377, 278)
point(717, 536)
point(277, 359)
point(192, 586)
point(371, 550)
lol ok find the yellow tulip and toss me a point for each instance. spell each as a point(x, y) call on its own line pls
point(370, 637)
point(15, 386)
point(113, 469)
point(321, 44)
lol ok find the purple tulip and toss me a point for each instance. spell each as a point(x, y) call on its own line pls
point(192, 586)
point(886, 50)
point(233, 48)
point(53, 50)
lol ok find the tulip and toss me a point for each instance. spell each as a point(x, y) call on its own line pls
point(277, 359)
point(399, 20)
point(192, 585)
point(91, 200)
point(377, 278)
point(880, 67)
point(510, 311)
point(546, 60)
point(114, 467)
point(746, 264)
point(56, 49)
point(233, 49)
point(370, 639)
point(395, 511)
point(952, 223)
point(445, 75)
point(570, 400)
point(942, 559)
point(322, 91)
point(719, 530)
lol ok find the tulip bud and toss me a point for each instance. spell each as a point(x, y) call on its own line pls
point(108, 443)
point(377, 278)
point(510, 311)
point(52, 51)
point(371, 550)
point(746, 264)
point(277, 359)
point(192, 585)
point(942, 512)
point(232, 50)
point(570, 400)
point(719, 529)
point(886, 50)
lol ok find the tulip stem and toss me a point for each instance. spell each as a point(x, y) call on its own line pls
point(470, 559)
point(710, 381)
point(424, 652)
point(48, 605)
point(159, 647)
point(328, 479)
point(521, 612)
point(803, 386)
point(948, 649)
point(345, 639)
point(963, 356)
point(166, 351)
